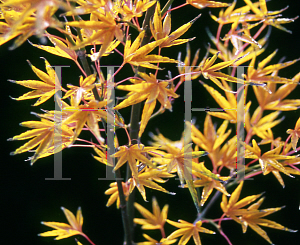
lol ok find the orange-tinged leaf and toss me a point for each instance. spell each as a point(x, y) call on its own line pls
point(44, 89)
point(147, 112)
point(152, 221)
point(138, 56)
point(251, 216)
point(76, 223)
point(206, 4)
point(44, 135)
point(187, 230)
point(63, 230)
point(295, 134)
point(236, 194)
point(59, 49)
point(151, 89)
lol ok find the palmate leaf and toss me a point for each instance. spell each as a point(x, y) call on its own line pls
point(269, 17)
point(271, 157)
point(151, 241)
point(77, 93)
point(30, 18)
point(180, 161)
point(89, 114)
point(63, 230)
point(113, 191)
point(152, 221)
point(151, 90)
point(187, 230)
point(210, 140)
point(200, 4)
point(209, 70)
point(251, 216)
point(60, 48)
point(50, 137)
point(208, 180)
point(230, 15)
point(295, 134)
point(139, 56)
point(179, 158)
point(160, 31)
point(103, 27)
point(129, 10)
point(147, 179)
point(131, 154)
point(264, 74)
point(44, 89)
point(276, 100)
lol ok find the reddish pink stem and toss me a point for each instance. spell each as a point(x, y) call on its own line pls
point(87, 238)
point(218, 36)
point(226, 238)
point(180, 6)
point(254, 37)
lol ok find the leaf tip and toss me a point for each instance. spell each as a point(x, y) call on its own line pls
point(193, 20)
point(29, 63)
point(290, 230)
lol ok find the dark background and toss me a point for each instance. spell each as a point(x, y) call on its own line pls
point(27, 198)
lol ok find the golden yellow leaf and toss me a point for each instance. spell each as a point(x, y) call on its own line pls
point(139, 56)
point(62, 230)
point(44, 89)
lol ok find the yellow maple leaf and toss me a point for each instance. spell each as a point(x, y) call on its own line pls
point(275, 100)
point(113, 191)
point(91, 114)
point(263, 75)
point(128, 10)
point(269, 17)
point(152, 221)
point(295, 134)
point(209, 70)
point(139, 56)
point(228, 54)
point(160, 31)
point(210, 140)
point(271, 157)
point(104, 27)
point(152, 241)
point(131, 154)
point(259, 125)
point(237, 36)
point(31, 18)
point(230, 15)
point(208, 183)
point(146, 177)
point(250, 216)
point(62, 49)
point(229, 104)
point(85, 86)
point(187, 230)
point(44, 89)
point(46, 135)
point(150, 89)
point(200, 4)
point(63, 230)
point(180, 161)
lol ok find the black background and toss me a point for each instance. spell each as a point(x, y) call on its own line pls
point(27, 198)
